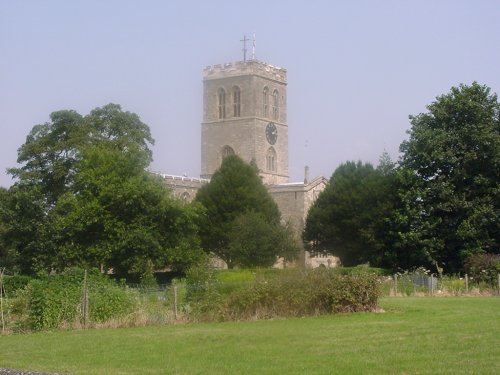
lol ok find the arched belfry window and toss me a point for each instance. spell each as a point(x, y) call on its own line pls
point(271, 160)
point(236, 101)
point(221, 98)
point(276, 108)
point(226, 151)
point(265, 102)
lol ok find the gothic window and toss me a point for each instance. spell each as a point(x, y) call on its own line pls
point(271, 160)
point(265, 101)
point(221, 96)
point(275, 105)
point(226, 151)
point(236, 101)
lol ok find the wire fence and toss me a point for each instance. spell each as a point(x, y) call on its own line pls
point(174, 302)
point(411, 284)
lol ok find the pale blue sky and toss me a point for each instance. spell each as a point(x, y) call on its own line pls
point(356, 69)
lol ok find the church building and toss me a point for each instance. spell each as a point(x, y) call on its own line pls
point(245, 113)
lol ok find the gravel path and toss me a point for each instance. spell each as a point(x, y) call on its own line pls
point(9, 371)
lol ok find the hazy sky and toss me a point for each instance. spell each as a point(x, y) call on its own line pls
point(356, 69)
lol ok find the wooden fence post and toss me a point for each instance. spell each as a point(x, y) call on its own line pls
point(466, 284)
point(1, 298)
point(85, 300)
point(395, 284)
point(175, 302)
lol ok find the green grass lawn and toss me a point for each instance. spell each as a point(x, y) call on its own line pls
point(413, 336)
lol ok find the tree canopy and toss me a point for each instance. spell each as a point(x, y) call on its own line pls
point(436, 208)
point(241, 224)
point(452, 163)
point(84, 198)
point(349, 217)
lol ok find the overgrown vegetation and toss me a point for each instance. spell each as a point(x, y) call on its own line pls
point(484, 267)
point(59, 301)
point(285, 293)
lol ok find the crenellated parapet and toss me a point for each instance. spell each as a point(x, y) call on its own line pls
point(182, 187)
point(250, 67)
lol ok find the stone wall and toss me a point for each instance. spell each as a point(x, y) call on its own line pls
point(183, 187)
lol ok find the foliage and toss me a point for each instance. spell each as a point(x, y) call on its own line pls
point(123, 218)
point(11, 284)
point(483, 267)
point(7, 255)
point(56, 300)
point(202, 290)
point(83, 198)
point(352, 216)
point(254, 242)
point(451, 162)
point(287, 293)
point(238, 211)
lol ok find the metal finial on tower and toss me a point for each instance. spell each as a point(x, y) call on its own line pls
point(244, 40)
point(253, 47)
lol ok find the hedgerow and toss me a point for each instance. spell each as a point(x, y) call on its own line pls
point(285, 294)
point(58, 300)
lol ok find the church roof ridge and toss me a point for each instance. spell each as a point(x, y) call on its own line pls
point(181, 178)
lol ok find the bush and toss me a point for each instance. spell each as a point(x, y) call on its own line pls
point(483, 267)
point(57, 300)
point(11, 284)
point(290, 293)
point(203, 294)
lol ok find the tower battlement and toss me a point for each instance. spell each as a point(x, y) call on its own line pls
point(238, 68)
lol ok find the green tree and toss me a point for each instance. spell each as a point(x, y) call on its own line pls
point(121, 217)
point(351, 216)
point(51, 150)
point(451, 164)
point(84, 198)
point(254, 242)
point(6, 256)
point(234, 199)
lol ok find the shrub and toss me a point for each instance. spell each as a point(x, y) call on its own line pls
point(56, 300)
point(11, 284)
point(483, 267)
point(203, 295)
point(291, 293)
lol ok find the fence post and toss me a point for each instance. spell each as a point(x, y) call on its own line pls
point(85, 300)
point(1, 298)
point(432, 285)
point(395, 284)
point(175, 302)
point(499, 284)
point(466, 284)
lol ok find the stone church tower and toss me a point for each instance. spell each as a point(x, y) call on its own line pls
point(244, 113)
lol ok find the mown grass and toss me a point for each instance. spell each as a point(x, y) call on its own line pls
point(423, 335)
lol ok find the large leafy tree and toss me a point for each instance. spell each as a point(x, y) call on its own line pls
point(83, 197)
point(6, 255)
point(121, 217)
point(51, 151)
point(351, 216)
point(451, 164)
point(241, 224)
